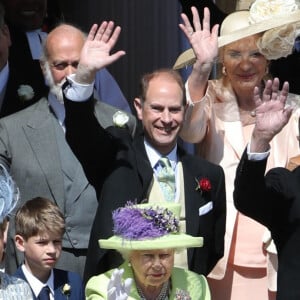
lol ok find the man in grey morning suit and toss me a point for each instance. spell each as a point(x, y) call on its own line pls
point(34, 150)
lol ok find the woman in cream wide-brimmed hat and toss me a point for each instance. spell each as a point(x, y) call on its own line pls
point(147, 237)
point(220, 119)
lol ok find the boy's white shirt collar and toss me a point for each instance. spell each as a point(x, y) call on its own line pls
point(36, 285)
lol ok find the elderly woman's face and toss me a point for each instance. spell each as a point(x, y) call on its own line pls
point(245, 66)
point(152, 267)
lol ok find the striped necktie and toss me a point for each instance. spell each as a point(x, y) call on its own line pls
point(166, 179)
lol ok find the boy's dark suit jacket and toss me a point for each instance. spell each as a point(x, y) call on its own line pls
point(274, 201)
point(129, 174)
point(62, 277)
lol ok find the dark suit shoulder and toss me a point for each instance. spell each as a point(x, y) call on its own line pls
point(40, 107)
point(196, 161)
point(63, 277)
point(105, 112)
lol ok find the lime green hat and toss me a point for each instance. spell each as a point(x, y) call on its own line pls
point(148, 227)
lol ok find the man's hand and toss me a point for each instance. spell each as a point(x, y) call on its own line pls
point(95, 53)
point(271, 114)
point(116, 290)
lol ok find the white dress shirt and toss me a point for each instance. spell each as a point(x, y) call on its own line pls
point(154, 156)
point(37, 285)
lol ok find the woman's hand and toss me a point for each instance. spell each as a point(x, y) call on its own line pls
point(203, 40)
point(116, 290)
point(271, 114)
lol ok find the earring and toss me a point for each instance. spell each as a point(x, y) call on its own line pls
point(224, 71)
point(129, 264)
point(267, 70)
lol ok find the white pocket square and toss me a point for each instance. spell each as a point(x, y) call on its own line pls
point(205, 208)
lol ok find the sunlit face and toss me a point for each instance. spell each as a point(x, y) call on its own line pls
point(42, 252)
point(245, 66)
point(152, 268)
point(4, 45)
point(64, 46)
point(162, 113)
point(27, 14)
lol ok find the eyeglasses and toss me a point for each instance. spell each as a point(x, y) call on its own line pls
point(60, 66)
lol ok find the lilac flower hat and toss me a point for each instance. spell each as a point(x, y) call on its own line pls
point(148, 227)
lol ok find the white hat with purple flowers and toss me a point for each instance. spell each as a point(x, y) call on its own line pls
point(148, 227)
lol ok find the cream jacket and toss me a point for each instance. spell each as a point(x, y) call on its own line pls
point(218, 131)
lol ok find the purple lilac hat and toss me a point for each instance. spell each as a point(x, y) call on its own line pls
point(148, 227)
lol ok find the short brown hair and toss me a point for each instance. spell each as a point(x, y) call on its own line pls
point(39, 215)
point(146, 78)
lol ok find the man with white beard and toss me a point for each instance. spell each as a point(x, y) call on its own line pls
point(33, 148)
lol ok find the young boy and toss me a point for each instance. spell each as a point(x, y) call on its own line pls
point(39, 230)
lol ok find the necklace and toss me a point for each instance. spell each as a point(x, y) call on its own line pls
point(247, 117)
point(163, 295)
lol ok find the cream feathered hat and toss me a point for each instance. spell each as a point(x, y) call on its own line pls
point(278, 20)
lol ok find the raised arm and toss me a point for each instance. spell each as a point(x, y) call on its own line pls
point(204, 42)
point(272, 114)
point(95, 53)
point(94, 147)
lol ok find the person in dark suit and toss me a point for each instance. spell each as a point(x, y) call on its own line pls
point(39, 229)
point(28, 23)
point(34, 150)
point(130, 168)
point(272, 199)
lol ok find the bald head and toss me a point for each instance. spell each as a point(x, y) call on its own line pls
point(64, 38)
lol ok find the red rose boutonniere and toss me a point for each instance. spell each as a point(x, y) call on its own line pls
point(203, 185)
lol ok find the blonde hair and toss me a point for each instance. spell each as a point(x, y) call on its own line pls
point(39, 215)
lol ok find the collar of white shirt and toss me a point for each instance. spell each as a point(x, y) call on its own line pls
point(154, 156)
point(37, 285)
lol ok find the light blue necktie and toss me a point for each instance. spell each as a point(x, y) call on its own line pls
point(166, 179)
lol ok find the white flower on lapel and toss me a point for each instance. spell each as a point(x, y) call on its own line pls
point(25, 92)
point(66, 290)
point(120, 118)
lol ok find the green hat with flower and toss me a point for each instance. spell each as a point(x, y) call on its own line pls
point(148, 227)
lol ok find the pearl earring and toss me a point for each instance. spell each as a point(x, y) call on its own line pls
point(224, 71)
